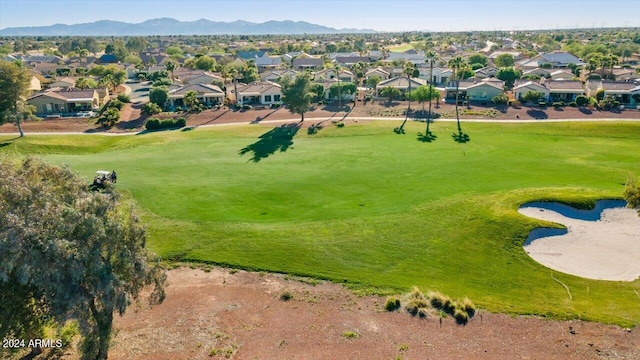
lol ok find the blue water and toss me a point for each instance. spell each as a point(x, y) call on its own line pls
point(588, 215)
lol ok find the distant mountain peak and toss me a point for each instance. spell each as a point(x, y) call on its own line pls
point(170, 26)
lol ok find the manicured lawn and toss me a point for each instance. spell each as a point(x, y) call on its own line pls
point(378, 211)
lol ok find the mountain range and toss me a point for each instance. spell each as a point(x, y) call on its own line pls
point(168, 26)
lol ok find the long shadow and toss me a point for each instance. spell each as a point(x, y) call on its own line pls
point(585, 111)
point(214, 119)
point(427, 138)
point(261, 118)
point(8, 142)
point(537, 114)
point(276, 139)
point(314, 128)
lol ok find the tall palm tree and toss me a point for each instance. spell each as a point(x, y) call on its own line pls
point(171, 66)
point(407, 69)
point(431, 58)
point(456, 64)
point(336, 69)
point(612, 60)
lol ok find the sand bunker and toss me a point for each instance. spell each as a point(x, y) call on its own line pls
point(601, 244)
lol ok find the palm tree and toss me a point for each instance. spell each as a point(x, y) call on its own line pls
point(456, 64)
point(431, 58)
point(408, 69)
point(336, 69)
point(612, 60)
point(171, 66)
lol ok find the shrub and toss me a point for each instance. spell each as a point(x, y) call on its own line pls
point(417, 307)
point(501, 99)
point(340, 124)
point(558, 104)
point(156, 124)
point(246, 107)
point(460, 316)
point(124, 98)
point(441, 302)
point(286, 296)
point(350, 334)
point(151, 109)
point(573, 104)
point(115, 104)
point(109, 117)
point(392, 304)
point(582, 100)
point(467, 306)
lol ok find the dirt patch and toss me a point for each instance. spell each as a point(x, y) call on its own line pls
point(241, 315)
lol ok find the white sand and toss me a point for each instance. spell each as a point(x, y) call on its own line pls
point(608, 249)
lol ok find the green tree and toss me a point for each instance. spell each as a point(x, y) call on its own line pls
point(611, 60)
point(509, 75)
point(373, 81)
point(297, 94)
point(249, 72)
point(174, 51)
point(632, 193)
point(86, 83)
point(132, 59)
point(171, 66)
point(91, 244)
point(503, 60)
point(151, 109)
point(136, 44)
point(14, 89)
point(159, 96)
point(424, 93)
point(478, 59)
point(532, 96)
point(191, 100)
point(109, 117)
point(390, 93)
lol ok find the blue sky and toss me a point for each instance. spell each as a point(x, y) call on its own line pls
point(381, 15)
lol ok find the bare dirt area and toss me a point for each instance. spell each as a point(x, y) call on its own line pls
point(133, 120)
point(240, 315)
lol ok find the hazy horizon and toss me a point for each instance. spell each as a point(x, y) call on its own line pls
point(452, 15)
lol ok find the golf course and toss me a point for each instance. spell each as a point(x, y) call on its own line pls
point(366, 207)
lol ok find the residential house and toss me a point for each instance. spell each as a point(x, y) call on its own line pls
point(251, 55)
point(154, 58)
point(63, 82)
point(351, 60)
point(556, 59)
point(267, 62)
point(107, 59)
point(375, 55)
point(552, 90)
point(486, 72)
point(257, 93)
point(34, 84)
point(188, 76)
point(64, 101)
point(537, 72)
point(327, 91)
point(441, 76)
point(301, 63)
point(561, 74)
point(207, 94)
point(401, 83)
point(379, 72)
point(328, 74)
point(275, 75)
point(475, 90)
point(622, 91)
point(417, 59)
point(517, 55)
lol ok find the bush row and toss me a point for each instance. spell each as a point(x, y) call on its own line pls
point(157, 124)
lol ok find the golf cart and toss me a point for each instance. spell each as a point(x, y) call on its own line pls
point(102, 178)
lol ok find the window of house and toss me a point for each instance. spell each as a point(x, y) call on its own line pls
point(267, 98)
point(276, 97)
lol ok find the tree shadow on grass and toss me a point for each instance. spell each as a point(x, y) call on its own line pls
point(427, 138)
point(314, 128)
point(537, 114)
point(276, 139)
point(8, 141)
point(461, 137)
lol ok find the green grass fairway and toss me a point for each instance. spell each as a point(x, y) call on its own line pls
point(378, 211)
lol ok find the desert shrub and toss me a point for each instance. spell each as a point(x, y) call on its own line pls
point(161, 82)
point(500, 99)
point(156, 124)
point(340, 124)
point(441, 302)
point(392, 304)
point(558, 104)
point(350, 334)
point(124, 98)
point(460, 316)
point(600, 95)
point(109, 117)
point(286, 296)
point(573, 104)
point(246, 107)
point(151, 109)
point(582, 100)
point(115, 104)
point(417, 307)
point(467, 306)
